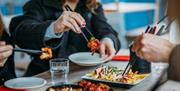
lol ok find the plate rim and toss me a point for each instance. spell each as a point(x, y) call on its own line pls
point(85, 64)
point(23, 88)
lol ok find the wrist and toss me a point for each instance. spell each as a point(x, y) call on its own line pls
point(109, 40)
point(58, 28)
point(2, 62)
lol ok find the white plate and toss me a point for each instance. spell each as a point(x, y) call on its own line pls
point(25, 83)
point(86, 59)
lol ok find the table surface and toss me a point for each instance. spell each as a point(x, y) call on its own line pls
point(76, 72)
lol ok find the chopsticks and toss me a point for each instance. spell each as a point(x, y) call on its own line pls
point(67, 7)
point(132, 62)
point(29, 51)
point(151, 30)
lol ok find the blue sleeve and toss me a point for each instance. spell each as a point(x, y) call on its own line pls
point(50, 33)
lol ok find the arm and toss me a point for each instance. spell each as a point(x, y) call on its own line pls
point(174, 62)
point(29, 29)
point(7, 65)
point(51, 34)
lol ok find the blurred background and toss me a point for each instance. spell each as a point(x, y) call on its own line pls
point(128, 17)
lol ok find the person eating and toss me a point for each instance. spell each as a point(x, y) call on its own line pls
point(155, 49)
point(47, 23)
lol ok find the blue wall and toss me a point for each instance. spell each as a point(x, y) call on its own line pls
point(136, 1)
point(17, 6)
point(138, 19)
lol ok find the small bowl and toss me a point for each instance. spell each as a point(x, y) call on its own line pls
point(66, 85)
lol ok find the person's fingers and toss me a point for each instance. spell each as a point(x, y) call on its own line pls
point(2, 62)
point(111, 54)
point(84, 22)
point(82, 19)
point(143, 53)
point(5, 54)
point(5, 48)
point(139, 54)
point(102, 50)
point(137, 44)
point(79, 19)
point(2, 43)
point(74, 24)
point(69, 25)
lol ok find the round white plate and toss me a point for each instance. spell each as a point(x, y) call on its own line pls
point(25, 83)
point(86, 59)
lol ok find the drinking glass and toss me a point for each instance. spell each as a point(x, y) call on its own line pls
point(59, 69)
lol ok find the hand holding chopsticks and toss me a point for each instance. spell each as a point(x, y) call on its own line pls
point(93, 43)
point(132, 62)
point(69, 9)
point(151, 30)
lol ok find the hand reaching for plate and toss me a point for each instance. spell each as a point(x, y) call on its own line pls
point(107, 50)
point(5, 52)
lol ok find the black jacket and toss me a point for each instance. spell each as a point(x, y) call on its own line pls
point(7, 72)
point(29, 30)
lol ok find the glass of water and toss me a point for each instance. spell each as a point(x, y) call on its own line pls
point(59, 69)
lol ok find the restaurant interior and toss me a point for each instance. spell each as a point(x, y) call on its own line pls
point(129, 18)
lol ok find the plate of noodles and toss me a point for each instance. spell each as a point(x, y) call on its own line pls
point(86, 59)
point(113, 76)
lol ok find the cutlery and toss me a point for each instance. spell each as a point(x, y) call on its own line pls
point(29, 51)
point(151, 30)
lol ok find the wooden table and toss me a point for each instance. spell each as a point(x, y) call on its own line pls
point(76, 72)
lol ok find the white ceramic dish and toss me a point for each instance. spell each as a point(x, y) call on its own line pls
point(86, 59)
point(25, 83)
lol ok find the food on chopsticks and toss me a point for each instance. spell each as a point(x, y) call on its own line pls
point(46, 54)
point(65, 89)
point(93, 44)
point(94, 87)
point(114, 74)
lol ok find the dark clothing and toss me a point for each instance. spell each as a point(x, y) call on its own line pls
point(174, 64)
point(30, 28)
point(7, 72)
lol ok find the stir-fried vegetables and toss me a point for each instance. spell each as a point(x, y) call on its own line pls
point(47, 54)
point(93, 44)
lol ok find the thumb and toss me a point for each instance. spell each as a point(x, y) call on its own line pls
point(102, 50)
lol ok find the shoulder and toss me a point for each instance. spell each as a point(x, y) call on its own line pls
point(32, 3)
